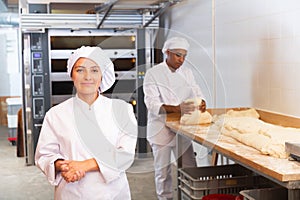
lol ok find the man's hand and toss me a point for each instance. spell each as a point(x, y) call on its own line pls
point(183, 108)
point(202, 106)
point(187, 108)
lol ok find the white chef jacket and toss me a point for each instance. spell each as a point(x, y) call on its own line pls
point(59, 139)
point(162, 86)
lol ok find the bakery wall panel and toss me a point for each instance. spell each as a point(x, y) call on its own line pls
point(255, 46)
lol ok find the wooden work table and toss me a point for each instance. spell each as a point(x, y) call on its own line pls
point(282, 171)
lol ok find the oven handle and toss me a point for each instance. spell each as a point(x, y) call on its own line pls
point(38, 125)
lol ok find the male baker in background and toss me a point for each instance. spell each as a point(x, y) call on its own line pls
point(166, 87)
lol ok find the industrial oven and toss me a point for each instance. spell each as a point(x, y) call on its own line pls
point(120, 46)
point(127, 32)
point(46, 82)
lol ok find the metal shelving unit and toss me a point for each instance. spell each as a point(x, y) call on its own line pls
point(118, 14)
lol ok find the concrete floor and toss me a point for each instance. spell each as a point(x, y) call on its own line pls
point(18, 181)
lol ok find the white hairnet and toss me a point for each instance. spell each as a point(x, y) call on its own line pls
point(176, 43)
point(98, 56)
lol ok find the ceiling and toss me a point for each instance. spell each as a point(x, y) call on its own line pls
point(9, 5)
point(13, 5)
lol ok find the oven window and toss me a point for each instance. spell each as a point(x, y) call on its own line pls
point(122, 86)
point(124, 64)
point(105, 42)
point(120, 64)
point(59, 65)
point(62, 87)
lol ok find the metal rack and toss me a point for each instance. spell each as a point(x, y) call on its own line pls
point(76, 21)
point(117, 14)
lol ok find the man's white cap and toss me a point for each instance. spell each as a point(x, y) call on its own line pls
point(98, 56)
point(176, 43)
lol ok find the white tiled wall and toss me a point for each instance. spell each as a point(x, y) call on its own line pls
point(192, 20)
point(257, 49)
point(263, 38)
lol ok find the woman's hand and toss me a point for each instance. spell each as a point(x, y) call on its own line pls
point(61, 165)
point(72, 170)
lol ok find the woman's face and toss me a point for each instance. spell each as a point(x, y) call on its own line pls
point(87, 76)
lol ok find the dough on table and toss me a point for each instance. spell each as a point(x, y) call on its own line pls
point(257, 134)
point(196, 117)
point(268, 138)
point(220, 119)
point(251, 112)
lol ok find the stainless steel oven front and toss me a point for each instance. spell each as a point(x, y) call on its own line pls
point(120, 46)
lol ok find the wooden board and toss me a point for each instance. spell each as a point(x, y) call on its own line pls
point(269, 117)
point(280, 169)
point(279, 119)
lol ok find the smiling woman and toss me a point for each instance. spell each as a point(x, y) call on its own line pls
point(86, 76)
point(88, 141)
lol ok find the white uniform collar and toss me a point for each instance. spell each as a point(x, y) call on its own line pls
point(85, 105)
point(169, 70)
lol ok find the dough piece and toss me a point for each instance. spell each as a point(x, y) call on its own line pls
point(219, 119)
point(205, 117)
point(197, 101)
point(269, 139)
point(196, 117)
point(251, 112)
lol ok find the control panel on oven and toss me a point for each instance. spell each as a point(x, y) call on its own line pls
point(36, 89)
